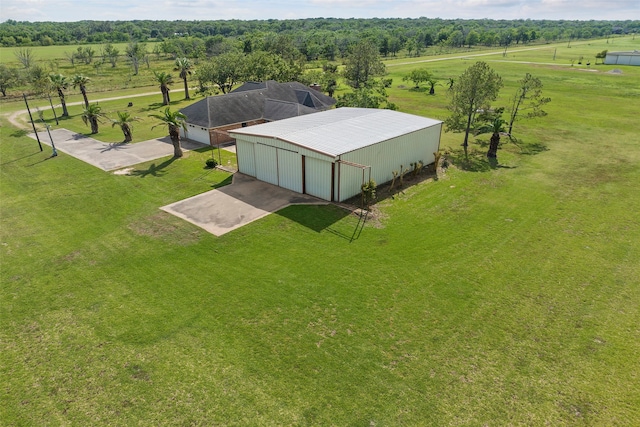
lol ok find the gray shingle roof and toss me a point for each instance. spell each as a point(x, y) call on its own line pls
point(257, 100)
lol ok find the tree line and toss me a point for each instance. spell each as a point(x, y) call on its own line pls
point(315, 36)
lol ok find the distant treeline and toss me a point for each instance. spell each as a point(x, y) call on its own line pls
point(315, 33)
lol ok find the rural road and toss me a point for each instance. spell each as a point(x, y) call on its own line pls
point(448, 58)
point(13, 117)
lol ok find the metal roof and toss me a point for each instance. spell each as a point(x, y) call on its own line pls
point(342, 130)
point(628, 52)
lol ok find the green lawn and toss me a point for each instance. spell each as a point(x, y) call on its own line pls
point(505, 296)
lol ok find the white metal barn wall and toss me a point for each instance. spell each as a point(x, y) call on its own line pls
point(386, 157)
point(280, 163)
point(289, 170)
point(277, 166)
point(318, 177)
point(196, 133)
point(266, 163)
point(622, 59)
point(246, 157)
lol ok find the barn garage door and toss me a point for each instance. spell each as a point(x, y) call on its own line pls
point(290, 170)
point(317, 178)
point(279, 167)
point(267, 164)
point(246, 157)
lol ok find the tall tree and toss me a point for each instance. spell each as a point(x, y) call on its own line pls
point(136, 52)
point(24, 56)
point(8, 77)
point(493, 124)
point(432, 81)
point(174, 120)
point(110, 53)
point(184, 66)
point(39, 79)
point(528, 97)
point(60, 84)
point(91, 116)
point(372, 96)
point(260, 66)
point(165, 79)
point(124, 121)
point(418, 76)
point(473, 93)
point(363, 64)
point(79, 81)
point(223, 71)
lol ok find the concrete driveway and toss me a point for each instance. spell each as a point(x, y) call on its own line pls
point(245, 200)
point(114, 156)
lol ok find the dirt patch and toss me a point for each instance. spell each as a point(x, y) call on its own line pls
point(164, 226)
point(125, 171)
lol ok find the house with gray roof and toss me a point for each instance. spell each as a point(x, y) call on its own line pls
point(209, 120)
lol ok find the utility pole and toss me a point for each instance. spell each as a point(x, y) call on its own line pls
point(53, 109)
point(41, 115)
point(32, 123)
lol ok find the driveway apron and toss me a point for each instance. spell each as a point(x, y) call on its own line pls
point(113, 156)
point(243, 201)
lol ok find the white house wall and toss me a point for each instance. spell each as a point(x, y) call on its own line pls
point(386, 157)
point(196, 133)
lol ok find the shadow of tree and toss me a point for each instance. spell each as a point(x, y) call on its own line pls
point(19, 133)
point(154, 170)
point(530, 148)
point(154, 106)
point(157, 105)
point(115, 146)
point(474, 161)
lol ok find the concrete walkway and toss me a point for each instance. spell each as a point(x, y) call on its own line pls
point(110, 157)
point(245, 200)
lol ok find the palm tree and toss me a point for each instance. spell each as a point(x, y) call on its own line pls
point(184, 66)
point(80, 81)
point(165, 79)
point(496, 128)
point(174, 120)
point(432, 85)
point(91, 116)
point(124, 120)
point(60, 83)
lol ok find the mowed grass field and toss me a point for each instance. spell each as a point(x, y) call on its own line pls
point(506, 296)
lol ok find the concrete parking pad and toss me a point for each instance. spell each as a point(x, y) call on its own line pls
point(113, 156)
point(243, 201)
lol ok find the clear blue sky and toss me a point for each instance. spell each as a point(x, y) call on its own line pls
point(76, 10)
